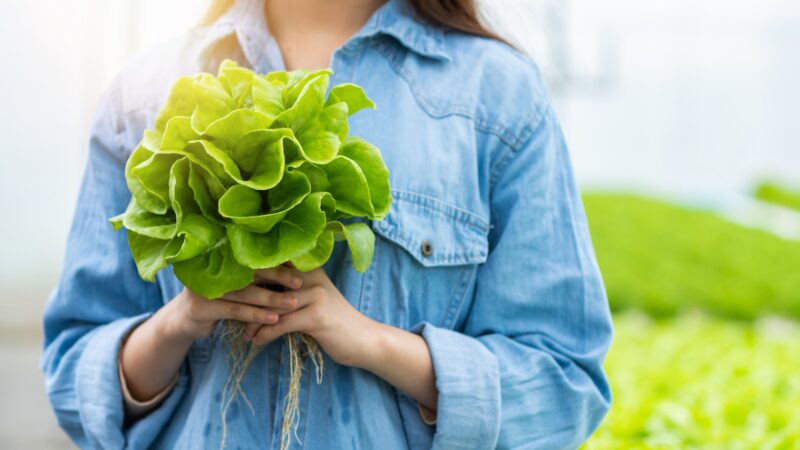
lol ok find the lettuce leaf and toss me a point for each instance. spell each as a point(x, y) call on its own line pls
point(243, 171)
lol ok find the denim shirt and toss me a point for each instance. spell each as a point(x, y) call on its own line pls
point(485, 253)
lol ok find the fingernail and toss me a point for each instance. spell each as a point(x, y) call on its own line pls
point(272, 318)
point(288, 301)
point(297, 282)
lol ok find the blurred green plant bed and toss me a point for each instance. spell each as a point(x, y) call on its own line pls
point(778, 194)
point(696, 381)
point(683, 373)
point(663, 259)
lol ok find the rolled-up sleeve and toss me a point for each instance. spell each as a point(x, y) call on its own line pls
point(526, 370)
point(99, 299)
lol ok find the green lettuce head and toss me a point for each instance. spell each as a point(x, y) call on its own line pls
point(245, 171)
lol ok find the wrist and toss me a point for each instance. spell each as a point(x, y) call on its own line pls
point(376, 346)
point(169, 327)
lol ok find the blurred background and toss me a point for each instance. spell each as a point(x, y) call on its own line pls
point(682, 120)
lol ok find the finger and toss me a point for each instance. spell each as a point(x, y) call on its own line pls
point(251, 329)
point(314, 276)
point(223, 309)
point(310, 295)
point(258, 296)
point(282, 275)
point(295, 321)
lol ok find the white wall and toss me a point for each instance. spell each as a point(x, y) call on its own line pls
point(693, 97)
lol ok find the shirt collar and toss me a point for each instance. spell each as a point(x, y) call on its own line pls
point(395, 18)
point(245, 19)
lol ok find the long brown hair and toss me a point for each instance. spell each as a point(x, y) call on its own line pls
point(460, 15)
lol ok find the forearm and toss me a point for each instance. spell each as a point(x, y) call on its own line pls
point(403, 359)
point(152, 355)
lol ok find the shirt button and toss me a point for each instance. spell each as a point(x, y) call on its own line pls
point(427, 248)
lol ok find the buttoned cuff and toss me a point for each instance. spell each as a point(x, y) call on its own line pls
point(468, 380)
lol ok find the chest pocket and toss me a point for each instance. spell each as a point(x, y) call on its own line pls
point(426, 255)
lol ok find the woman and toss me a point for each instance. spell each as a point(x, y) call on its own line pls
point(482, 322)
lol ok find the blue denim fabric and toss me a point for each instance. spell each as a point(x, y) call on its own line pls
point(509, 298)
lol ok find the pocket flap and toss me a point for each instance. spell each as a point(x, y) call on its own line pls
point(435, 233)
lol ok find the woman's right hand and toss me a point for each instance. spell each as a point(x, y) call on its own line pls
point(191, 316)
point(156, 348)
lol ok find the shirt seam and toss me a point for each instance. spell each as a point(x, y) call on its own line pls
point(502, 131)
point(503, 160)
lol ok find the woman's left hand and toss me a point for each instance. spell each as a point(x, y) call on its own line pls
point(350, 338)
point(320, 311)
